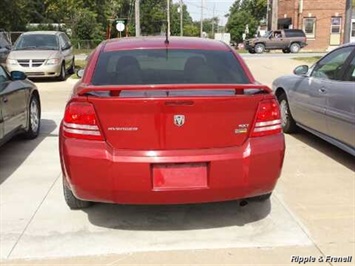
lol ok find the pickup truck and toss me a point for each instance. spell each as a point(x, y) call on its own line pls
point(288, 40)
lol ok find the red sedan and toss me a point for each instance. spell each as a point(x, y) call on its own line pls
point(157, 122)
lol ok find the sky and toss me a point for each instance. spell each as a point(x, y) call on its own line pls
point(221, 8)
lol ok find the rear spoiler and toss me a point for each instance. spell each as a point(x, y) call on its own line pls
point(116, 89)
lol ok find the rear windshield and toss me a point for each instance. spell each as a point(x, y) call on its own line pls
point(168, 67)
point(37, 41)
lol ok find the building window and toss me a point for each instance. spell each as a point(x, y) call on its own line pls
point(309, 27)
point(335, 25)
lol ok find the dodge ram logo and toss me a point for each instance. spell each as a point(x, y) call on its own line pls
point(179, 120)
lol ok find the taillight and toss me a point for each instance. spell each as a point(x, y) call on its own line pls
point(80, 121)
point(268, 119)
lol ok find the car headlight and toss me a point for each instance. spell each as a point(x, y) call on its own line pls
point(11, 62)
point(52, 61)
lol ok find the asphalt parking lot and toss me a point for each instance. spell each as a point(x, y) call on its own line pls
point(311, 214)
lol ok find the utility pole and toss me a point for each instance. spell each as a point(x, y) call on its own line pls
point(181, 19)
point(269, 14)
point(201, 23)
point(300, 14)
point(275, 11)
point(348, 17)
point(214, 7)
point(137, 18)
point(168, 15)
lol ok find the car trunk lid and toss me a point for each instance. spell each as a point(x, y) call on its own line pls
point(165, 118)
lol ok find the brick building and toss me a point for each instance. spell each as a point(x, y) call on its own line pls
point(322, 20)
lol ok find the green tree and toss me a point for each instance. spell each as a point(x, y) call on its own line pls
point(191, 30)
point(153, 16)
point(207, 26)
point(86, 27)
point(14, 15)
point(175, 20)
point(257, 8)
point(80, 16)
point(245, 13)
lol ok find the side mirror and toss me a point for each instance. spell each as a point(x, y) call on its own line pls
point(80, 73)
point(18, 75)
point(301, 70)
point(66, 47)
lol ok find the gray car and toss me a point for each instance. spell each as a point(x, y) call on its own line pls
point(321, 99)
point(42, 54)
point(20, 107)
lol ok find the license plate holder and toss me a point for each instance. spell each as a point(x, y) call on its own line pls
point(181, 176)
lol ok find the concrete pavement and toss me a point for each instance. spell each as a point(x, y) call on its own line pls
point(312, 212)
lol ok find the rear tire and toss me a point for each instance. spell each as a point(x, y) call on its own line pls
point(259, 48)
point(34, 118)
point(73, 202)
point(287, 121)
point(295, 48)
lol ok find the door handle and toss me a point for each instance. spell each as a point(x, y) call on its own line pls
point(322, 90)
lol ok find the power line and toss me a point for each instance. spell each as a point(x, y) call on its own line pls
point(204, 7)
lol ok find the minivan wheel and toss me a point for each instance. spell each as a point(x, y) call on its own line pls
point(259, 48)
point(287, 122)
point(295, 48)
point(61, 76)
point(73, 202)
point(34, 118)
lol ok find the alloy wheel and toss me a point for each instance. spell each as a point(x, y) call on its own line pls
point(34, 115)
point(284, 112)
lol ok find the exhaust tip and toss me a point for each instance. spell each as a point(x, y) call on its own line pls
point(243, 203)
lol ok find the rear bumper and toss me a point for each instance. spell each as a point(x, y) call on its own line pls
point(96, 172)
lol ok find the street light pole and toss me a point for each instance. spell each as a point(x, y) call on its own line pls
point(348, 17)
point(275, 10)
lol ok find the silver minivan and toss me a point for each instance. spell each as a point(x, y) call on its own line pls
point(42, 54)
